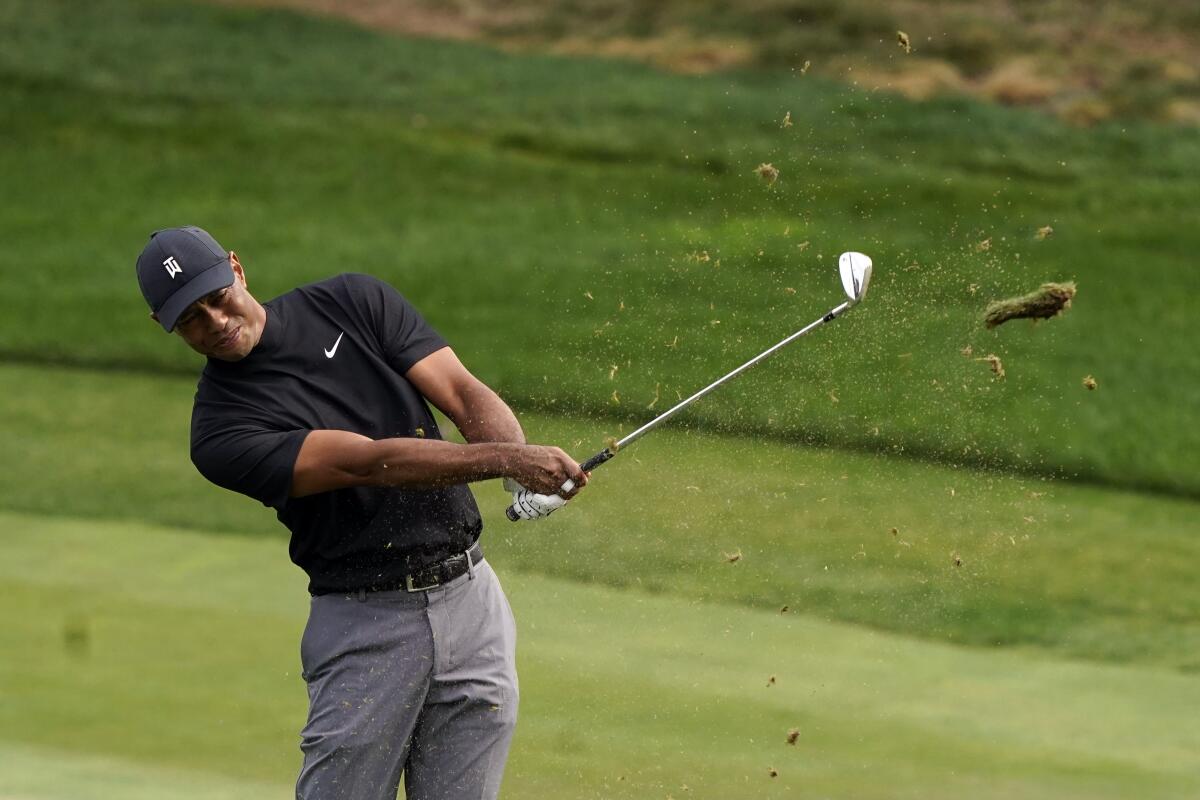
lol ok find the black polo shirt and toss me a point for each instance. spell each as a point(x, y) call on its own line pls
point(333, 355)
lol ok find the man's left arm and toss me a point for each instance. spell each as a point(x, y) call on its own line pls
point(477, 411)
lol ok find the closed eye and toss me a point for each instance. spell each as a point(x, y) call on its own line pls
point(210, 300)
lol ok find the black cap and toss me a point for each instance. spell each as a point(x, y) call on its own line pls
point(178, 267)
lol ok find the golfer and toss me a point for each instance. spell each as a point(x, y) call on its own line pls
point(316, 404)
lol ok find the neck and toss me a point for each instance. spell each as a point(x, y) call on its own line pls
point(260, 319)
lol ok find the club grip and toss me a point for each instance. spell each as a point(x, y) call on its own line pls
point(597, 460)
point(587, 466)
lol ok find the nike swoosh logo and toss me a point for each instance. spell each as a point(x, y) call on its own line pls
point(329, 353)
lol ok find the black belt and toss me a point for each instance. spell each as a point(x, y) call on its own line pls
point(435, 574)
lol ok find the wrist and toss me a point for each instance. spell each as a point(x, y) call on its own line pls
point(502, 459)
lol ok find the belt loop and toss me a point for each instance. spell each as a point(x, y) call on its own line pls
point(470, 564)
point(362, 595)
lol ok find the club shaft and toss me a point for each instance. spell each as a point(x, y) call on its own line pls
point(609, 452)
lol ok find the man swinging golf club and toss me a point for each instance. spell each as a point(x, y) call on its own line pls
point(316, 404)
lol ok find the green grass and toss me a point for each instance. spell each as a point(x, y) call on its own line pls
point(547, 214)
point(1077, 571)
point(160, 662)
point(313, 147)
point(47, 773)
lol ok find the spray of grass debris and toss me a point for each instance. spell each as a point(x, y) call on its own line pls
point(994, 362)
point(1048, 301)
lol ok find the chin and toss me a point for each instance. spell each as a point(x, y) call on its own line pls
point(226, 355)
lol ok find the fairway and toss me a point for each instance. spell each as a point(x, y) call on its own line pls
point(163, 664)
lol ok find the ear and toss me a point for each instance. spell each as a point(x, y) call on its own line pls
point(236, 263)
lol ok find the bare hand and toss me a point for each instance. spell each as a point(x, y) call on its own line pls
point(545, 470)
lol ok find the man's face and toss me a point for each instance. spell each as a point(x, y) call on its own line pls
point(225, 324)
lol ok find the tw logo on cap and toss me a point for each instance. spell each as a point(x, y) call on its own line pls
point(172, 266)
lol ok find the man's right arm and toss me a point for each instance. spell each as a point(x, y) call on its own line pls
point(331, 459)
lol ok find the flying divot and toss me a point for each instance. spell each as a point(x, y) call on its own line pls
point(1048, 301)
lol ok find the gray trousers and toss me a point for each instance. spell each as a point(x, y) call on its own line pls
point(421, 684)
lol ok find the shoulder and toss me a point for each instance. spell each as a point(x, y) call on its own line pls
point(354, 282)
point(216, 401)
point(351, 285)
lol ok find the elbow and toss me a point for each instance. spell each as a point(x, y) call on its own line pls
point(390, 462)
point(368, 465)
point(338, 460)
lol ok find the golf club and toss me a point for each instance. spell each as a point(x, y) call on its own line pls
point(855, 270)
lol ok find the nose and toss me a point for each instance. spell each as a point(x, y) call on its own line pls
point(215, 318)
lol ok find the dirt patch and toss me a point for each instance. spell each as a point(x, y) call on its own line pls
point(675, 51)
point(448, 21)
point(917, 79)
point(1021, 82)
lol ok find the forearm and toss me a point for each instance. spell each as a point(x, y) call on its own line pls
point(430, 463)
point(484, 417)
point(332, 459)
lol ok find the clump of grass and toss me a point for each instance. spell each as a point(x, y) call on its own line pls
point(768, 172)
point(1048, 301)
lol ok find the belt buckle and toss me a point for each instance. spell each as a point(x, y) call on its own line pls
point(409, 586)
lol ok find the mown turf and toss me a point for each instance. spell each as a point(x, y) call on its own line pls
point(148, 655)
point(553, 217)
point(1072, 570)
point(46, 773)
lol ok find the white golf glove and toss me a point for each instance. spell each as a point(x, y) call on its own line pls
point(529, 505)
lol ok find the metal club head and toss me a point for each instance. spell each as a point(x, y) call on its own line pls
point(856, 274)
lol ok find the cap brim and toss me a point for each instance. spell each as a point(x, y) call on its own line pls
point(218, 276)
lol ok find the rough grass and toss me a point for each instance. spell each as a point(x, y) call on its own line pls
point(566, 211)
point(185, 682)
point(1083, 61)
point(1077, 571)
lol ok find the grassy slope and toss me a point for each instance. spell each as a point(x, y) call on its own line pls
point(177, 650)
point(312, 147)
point(1072, 570)
point(1081, 59)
